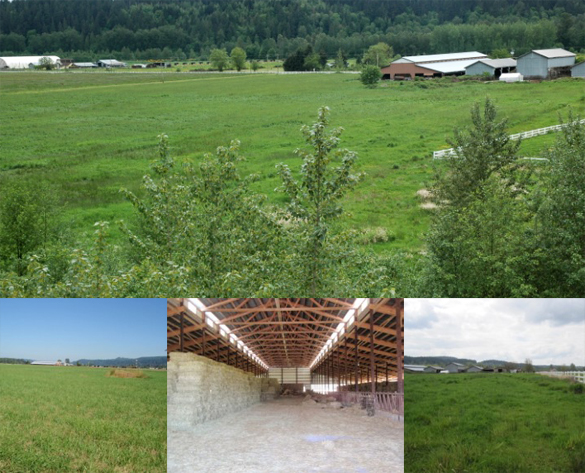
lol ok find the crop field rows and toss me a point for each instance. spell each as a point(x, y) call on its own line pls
point(89, 135)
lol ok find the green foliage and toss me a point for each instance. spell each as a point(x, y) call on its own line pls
point(479, 241)
point(266, 28)
point(219, 59)
point(378, 55)
point(458, 426)
point(481, 150)
point(26, 221)
point(562, 213)
point(303, 59)
point(341, 61)
point(238, 58)
point(315, 199)
point(500, 53)
point(204, 219)
point(370, 76)
point(46, 63)
point(255, 65)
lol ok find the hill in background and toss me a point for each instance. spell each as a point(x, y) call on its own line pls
point(445, 360)
point(143, 362)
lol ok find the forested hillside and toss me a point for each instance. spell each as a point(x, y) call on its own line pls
point(276, 28)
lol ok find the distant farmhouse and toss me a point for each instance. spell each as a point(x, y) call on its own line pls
point(546, 63)
point(26, 62)
point(433, 65)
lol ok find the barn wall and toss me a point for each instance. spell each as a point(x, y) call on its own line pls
point(478, 69)
point(532, 65)
point(579, 70)
point(200, 389)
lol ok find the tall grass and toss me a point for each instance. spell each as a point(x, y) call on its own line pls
point(516, 423)
point(74, 419)
point(96, 133)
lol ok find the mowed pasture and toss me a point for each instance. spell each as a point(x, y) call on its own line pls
point(505, 423)
point(90, 134)
point(77, 419)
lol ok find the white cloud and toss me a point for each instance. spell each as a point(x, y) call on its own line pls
point(544, 330)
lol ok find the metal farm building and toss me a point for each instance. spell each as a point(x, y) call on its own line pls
point(279, 377)
point(433, 65)
point(494, 67)
point(545, 63)
point(578, 70)
point(25, 62)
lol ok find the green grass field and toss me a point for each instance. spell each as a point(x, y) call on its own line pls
point(487, 423)
point(76, 419)
point(89, 134)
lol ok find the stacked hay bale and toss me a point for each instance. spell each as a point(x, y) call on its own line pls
point(200, 389)
point(270, 389)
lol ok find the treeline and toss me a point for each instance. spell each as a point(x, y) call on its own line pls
point(271, 29)
point(143, 362)
point(14, 361)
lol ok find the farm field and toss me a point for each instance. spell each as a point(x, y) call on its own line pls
point(57, 419)
point(521, 423)
point(90, 134)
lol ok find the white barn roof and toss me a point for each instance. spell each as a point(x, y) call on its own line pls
point(442, 57)
point(449, 66)
point(552, 53)
point(111, 62)
point(44, 363)
point(496, 63)
point(22, 62)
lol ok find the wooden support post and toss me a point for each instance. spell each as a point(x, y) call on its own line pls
point(386, 373)
point(204, 330)
point(372, 353)
point(182, 329)
point(345, 366)
point(399, 373)
point(228, 361)
point(356, 357)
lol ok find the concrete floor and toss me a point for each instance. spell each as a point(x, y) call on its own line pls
point(289, 436)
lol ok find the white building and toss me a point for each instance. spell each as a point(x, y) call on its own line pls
point(511, 77)
point(25, 62)
point(456, 368)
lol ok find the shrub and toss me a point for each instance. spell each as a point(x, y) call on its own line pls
point(370, 76)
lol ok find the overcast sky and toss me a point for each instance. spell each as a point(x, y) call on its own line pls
point(544, 330)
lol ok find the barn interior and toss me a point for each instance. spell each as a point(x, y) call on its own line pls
point(285, 384)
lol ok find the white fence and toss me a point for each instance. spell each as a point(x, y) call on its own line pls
point(516, 136)
point(578, 376)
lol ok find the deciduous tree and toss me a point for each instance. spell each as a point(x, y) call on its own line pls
point(238, 58)
point(219, 59)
